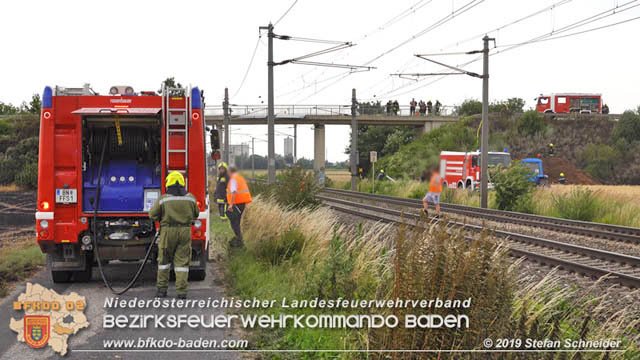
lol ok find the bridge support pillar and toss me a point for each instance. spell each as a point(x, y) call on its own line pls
point(429, 126)
point(318, 151)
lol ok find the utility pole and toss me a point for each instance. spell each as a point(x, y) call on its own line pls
point(271, 154)
point(253, 160)
point(484, 157)
point(295, 143)
point(354, 141)
point(225, 107)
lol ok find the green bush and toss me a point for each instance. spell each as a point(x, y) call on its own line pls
point(531, 123)
point(277, 249)
point(579, 204)
point(512, 187)
point(469, 107)
point(628, 127)
point(332, 279)
point(600, 160)
point(28, 176)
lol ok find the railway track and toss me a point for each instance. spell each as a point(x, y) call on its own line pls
point(604, 231)
point(595, 263)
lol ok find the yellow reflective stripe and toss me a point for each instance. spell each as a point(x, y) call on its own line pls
point(164, 267)
point(181, 269)
point(172, 198)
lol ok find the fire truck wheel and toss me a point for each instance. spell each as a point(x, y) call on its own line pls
point(85, 275)
point(200, 274)
point(57, 276)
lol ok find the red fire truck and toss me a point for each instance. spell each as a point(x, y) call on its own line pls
point(101, 167)
point(461, 170)
point(565, 103)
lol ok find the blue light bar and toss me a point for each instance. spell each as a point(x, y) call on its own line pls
point(196, 102)
point(47, 100)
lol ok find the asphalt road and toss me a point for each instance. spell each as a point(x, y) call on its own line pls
point(91, 338)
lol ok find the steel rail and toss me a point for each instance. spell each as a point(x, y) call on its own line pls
point(586, 228)
point(630, 280)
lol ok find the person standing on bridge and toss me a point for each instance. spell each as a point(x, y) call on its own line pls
point(437, 107)
point(389, 106)
point(435, 189)
point(429, 107)
point(396, 107)
point(175, 210)
point(238, 196)
point(423, 107)
point(412, 107)
point(220, 195)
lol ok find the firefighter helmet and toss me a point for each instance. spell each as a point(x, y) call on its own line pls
point(561, 174)
point(223, 165)
point(173, 178)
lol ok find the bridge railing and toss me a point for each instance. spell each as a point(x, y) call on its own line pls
point(303, 110)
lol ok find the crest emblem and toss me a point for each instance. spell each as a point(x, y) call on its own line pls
point(36, 330)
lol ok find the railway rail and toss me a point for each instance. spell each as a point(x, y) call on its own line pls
point(604, 231)
point(595, 263)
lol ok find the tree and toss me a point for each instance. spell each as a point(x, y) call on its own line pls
point(469, 107)
point(530, 123)
point(35, 104)
point(8, 109)
point(170, 82)
point(371, 108)
point(628, 127)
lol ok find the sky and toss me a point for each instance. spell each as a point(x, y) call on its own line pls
point(210, 44)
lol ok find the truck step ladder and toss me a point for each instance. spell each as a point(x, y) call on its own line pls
point(177, 121)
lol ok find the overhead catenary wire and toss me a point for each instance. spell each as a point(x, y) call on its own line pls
point(286, 12)
point(246, 73)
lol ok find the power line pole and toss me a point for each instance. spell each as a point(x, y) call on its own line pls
point(271, 155)
point(295, 143)
point(253, 158)
point(354, 141)
point(225, 107)
point(484, 158)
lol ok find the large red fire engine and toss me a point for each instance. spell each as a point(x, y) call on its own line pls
point(569, 103)
point(101, 167)
point(461, 170)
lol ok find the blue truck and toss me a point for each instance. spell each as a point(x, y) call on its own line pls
point(537, 171)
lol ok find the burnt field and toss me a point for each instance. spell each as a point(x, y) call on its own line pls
point(17, 209)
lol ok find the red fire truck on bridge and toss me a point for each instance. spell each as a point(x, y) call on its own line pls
point(565, 103)
point(101, 167)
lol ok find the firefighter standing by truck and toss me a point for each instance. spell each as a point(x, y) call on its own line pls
point(175, 210)
point(238, 196)
point(220, 195)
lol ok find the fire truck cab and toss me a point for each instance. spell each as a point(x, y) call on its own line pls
point(102, 164)
point(461, 170)
point(566, 103)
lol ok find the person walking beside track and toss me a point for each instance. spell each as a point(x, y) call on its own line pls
point(238, 196)
point(435, 189)
point(220, 195)
point(175, 210)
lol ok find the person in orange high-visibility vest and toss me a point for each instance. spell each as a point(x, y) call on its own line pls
point(435, 189)
point(238, 196)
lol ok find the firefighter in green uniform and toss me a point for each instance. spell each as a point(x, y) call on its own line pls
point(175, 210)
point(220, 195)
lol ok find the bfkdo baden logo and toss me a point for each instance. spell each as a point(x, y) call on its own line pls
point(49, 318)
point(36, 330)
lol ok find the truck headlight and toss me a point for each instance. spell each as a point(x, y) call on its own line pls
point(44, 224)
point(197, 223)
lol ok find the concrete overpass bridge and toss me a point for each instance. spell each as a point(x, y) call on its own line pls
point(319, 116)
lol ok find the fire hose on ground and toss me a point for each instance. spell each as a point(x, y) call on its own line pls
point(95, 235)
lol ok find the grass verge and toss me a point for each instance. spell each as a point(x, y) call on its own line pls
point(17, 262)
point(306, 254)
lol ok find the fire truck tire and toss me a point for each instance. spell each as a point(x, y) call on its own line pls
point(200, 274)
point(57, 276)
point(85, 275)
point(468, 185)
point(460, 186)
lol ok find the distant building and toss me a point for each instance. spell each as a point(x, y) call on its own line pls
point(238, 150)
point(288, 146)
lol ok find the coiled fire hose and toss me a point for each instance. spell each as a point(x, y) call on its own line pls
point(95, 235)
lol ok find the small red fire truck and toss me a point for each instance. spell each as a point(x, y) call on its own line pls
point(101, 167)
point(461, 170)
point(565, 103)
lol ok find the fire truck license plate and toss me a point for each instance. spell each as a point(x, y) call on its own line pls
point(66, 196)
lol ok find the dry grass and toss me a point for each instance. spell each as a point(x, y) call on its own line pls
point(10, 188)
point(334, 174)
